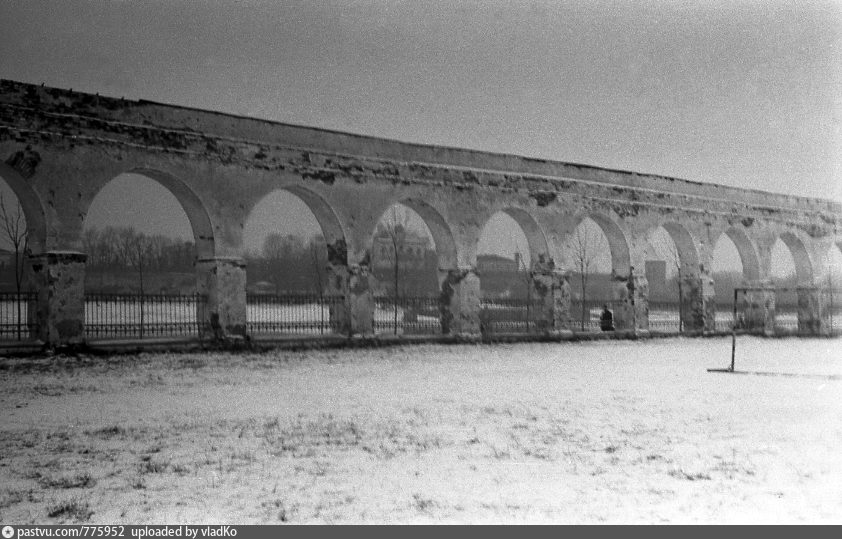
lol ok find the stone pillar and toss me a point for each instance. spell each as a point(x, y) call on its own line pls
point(459, 302)
point(222, 280)
point(58, 278)
point(551, 290)
point(698, 306)
point(352, 312)
point(631, 303)
point(812, 311)
point(756, 308)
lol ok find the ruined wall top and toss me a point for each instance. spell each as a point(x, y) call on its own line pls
point(17, 98)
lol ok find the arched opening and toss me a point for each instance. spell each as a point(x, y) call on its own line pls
point(834, 267)
point(782, 266)
point(667, 269)
point(833, 285)
point(142, 233)
point(790, 263)
point(17, 242)
point(503, 258)
point(789, 267)
point(510, 247)
point(734, 262)
point(291, 239)
point(734, 253)
point(405, 259)
point(594, 261)
point(20, 196)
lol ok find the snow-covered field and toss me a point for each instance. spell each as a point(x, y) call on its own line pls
point(573, 432)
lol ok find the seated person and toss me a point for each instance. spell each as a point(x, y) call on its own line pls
point(606, 319)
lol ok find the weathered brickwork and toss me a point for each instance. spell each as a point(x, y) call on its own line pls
point(59, 148)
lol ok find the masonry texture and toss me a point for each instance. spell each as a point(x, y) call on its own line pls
point(59, 148)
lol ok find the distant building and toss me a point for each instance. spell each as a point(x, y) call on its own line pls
point(7, 259)
point(488, 263)
point(417, 263)
point(502, 277)
point(412, 249)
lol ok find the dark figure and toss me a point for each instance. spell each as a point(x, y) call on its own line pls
point(606, 319)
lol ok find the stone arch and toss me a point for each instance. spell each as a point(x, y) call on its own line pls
point(685, 244)
point(332, 229)
point(749, 256)
point(33, 209)
point(536, 239)
point(803, 266)
point(440, 230)
point(192, 205)
point(830, 270)
point(618, 242)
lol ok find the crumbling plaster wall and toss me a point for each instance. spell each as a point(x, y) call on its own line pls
point(60, 148)
point(218, 198)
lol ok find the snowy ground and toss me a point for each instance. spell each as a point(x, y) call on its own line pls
point(589, 432)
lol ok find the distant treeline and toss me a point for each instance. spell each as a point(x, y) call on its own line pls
point(288, 263)
point(123, 248)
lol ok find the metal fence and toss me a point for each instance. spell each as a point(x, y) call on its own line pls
point(162, 315)
point(409, 315)
point(723, 318)
point(291, 314)
point(665, 317)
point(786, 312)
point(143, 316)
point(15, 324)
point(587, 320)
point(786, 319)
point(833, 303)
point(510, 315)
point(592, 314)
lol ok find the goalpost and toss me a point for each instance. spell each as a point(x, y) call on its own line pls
point(797, 311)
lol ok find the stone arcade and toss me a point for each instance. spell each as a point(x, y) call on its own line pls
point(58, 148)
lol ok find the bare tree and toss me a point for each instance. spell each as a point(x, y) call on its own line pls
point(395, 230)
point(526, 275)
point(278, 252)
point(15, 231)
point(134, 251)
point(584, 258)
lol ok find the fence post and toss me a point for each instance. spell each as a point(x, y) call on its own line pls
point(58, 278)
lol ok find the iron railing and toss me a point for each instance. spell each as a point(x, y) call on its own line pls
point(409, 315)
point(665, 317)
point(786, 319)
point(163, 315)
point(291, 314)
point(15, 322)
point(723, 319)
point(833, 307)
point(592, 314)
point(143, 316)
point(785, 311)
point(511, 315)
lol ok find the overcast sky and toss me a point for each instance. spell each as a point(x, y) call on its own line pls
point(742, 93)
